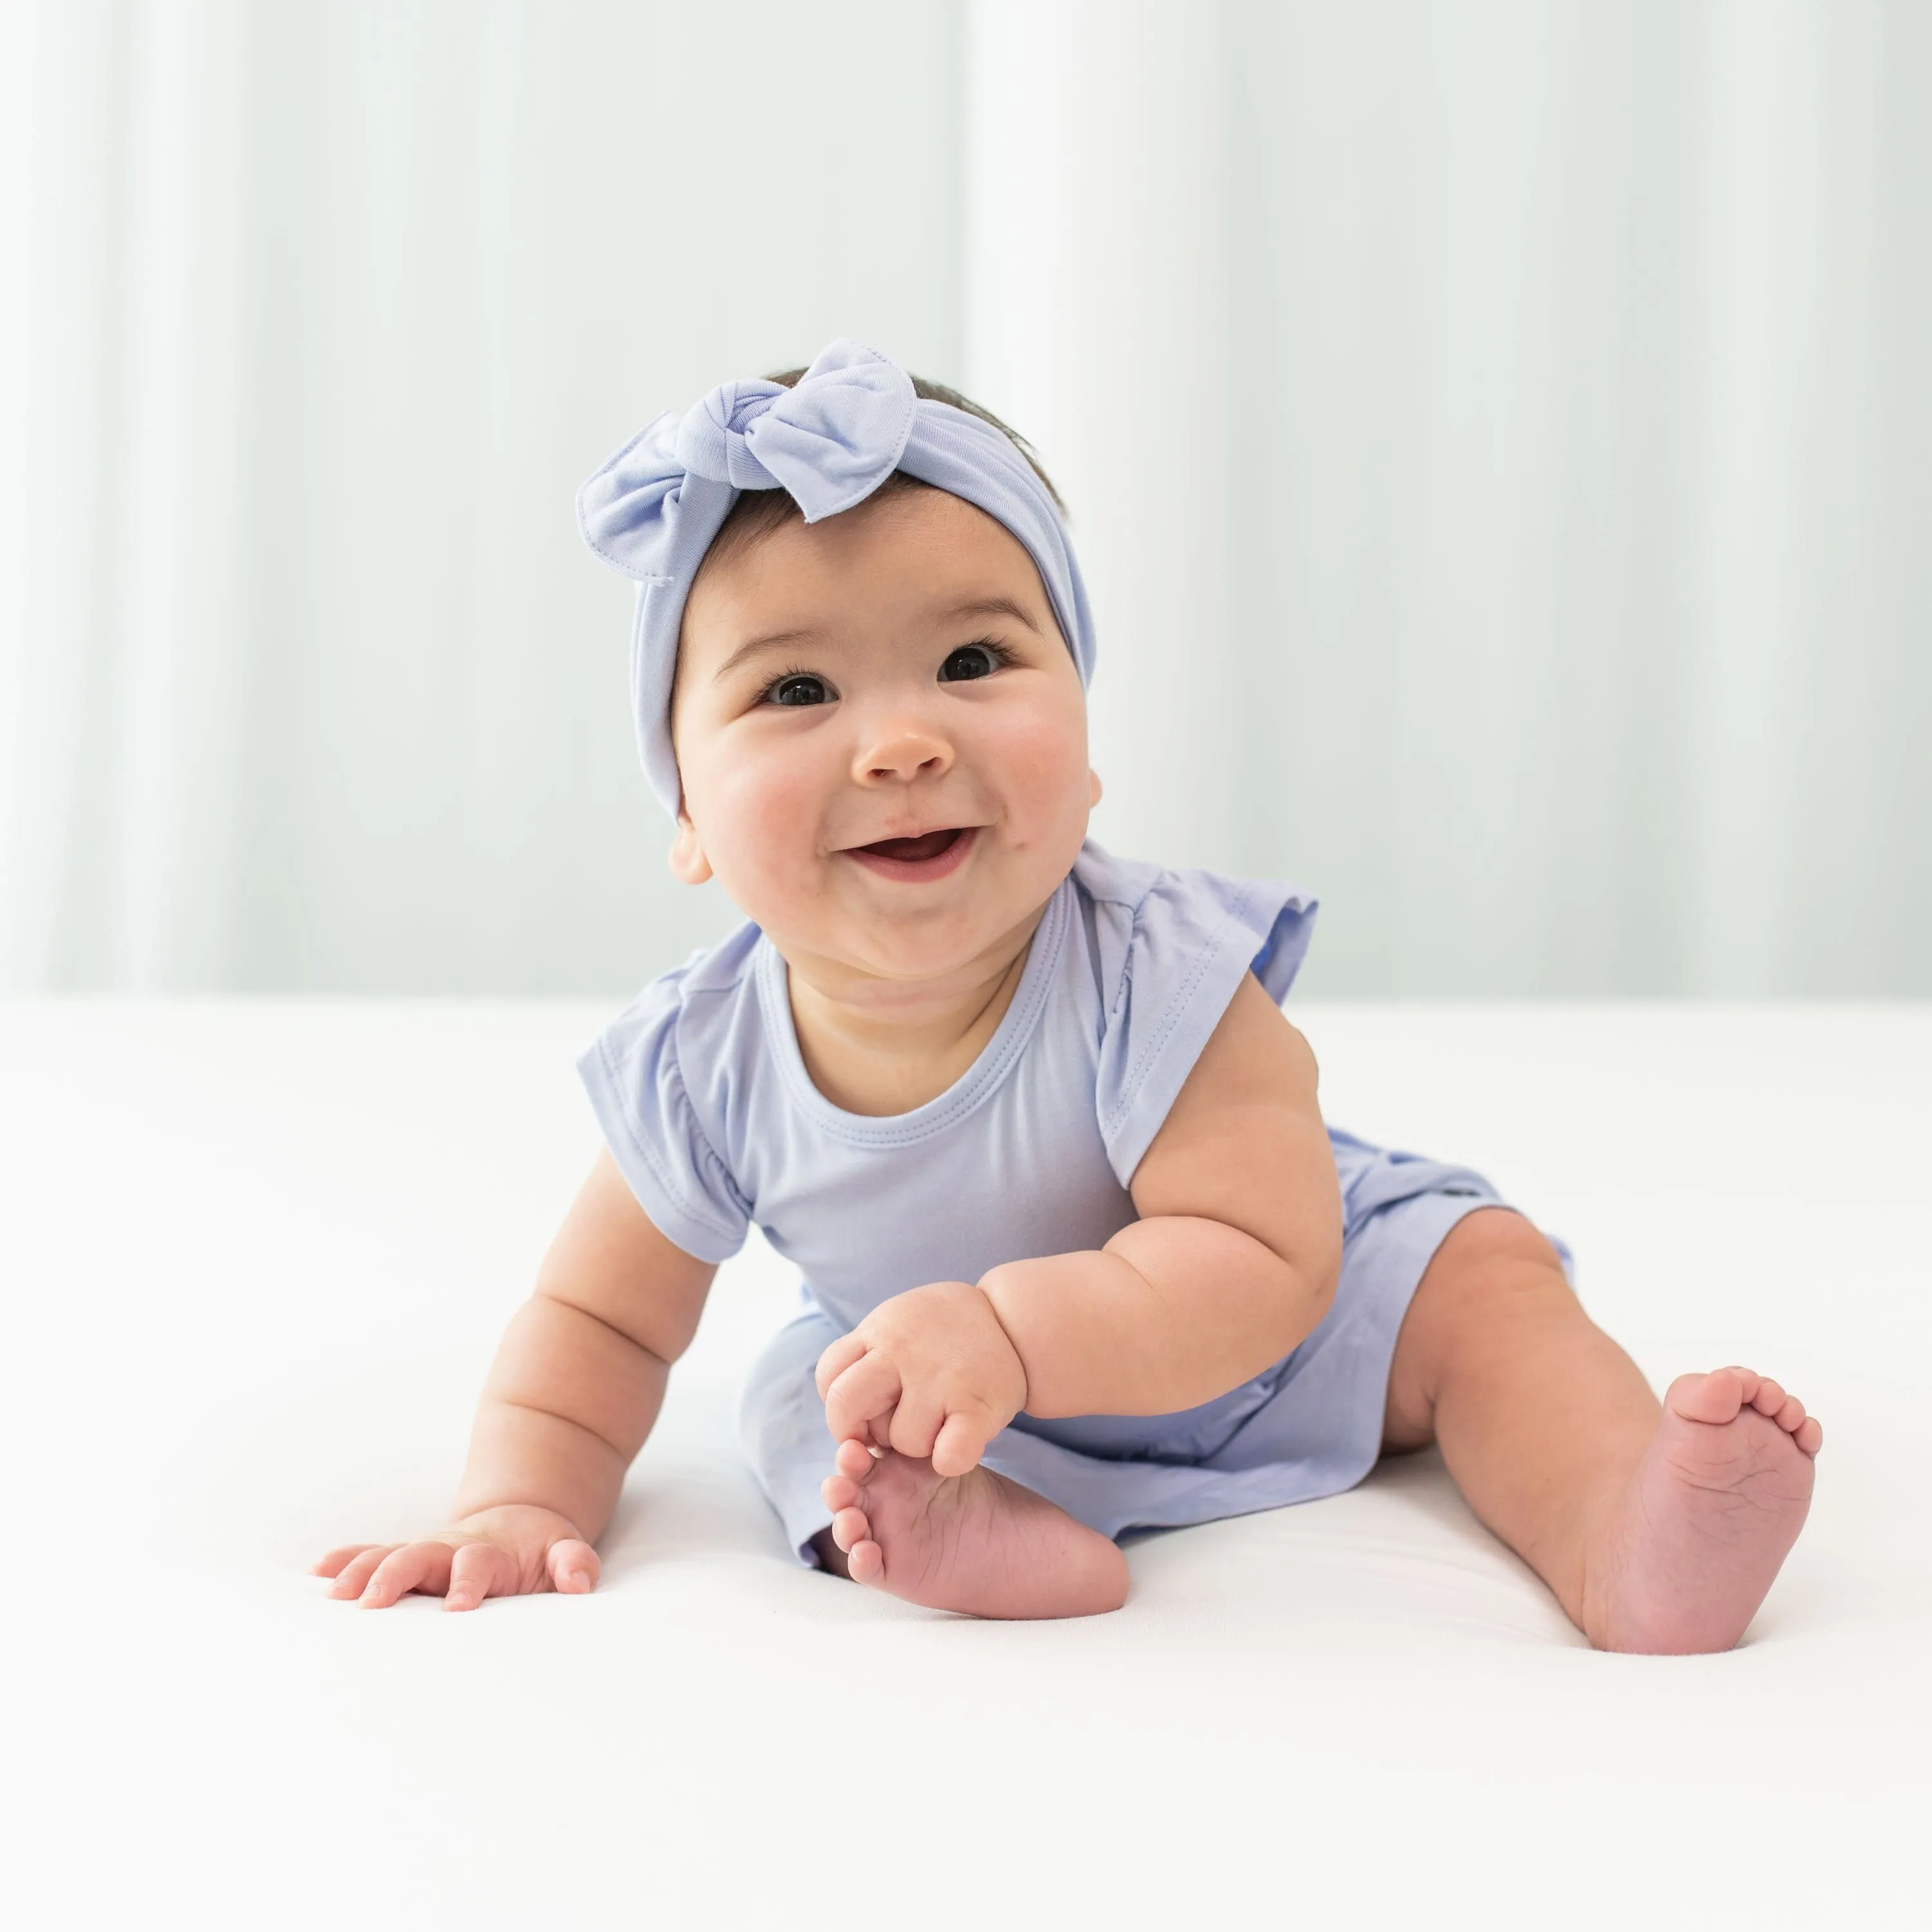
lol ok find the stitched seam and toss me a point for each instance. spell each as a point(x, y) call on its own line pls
point(704, 1140)
point(981, 1088)
point(1176, 1012)
point(616, 562)
point(667, 1182)
point(907, 1136)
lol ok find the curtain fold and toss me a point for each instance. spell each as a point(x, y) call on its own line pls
point(1502, 432)
point(1497, 434)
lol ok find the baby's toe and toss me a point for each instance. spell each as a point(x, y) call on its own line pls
point(850, 1527)
point(854, 1460)
point(1809, 1434)
point(1749, 1381)
point(1790, 1414)
point(1767, 1398)
point(839, 1492)
point(866, 1562)
point(1715, 1398)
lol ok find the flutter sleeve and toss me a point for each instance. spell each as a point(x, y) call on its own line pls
point(632, 1074)
point(1180, 942)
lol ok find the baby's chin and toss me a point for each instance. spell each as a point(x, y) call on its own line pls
point(937, 951)
point(912, 937)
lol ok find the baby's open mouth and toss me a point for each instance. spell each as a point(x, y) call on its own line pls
point(930, 855)
point(927, 845)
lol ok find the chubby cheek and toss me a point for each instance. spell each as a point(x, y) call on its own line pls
point(1037, 757)
point(759, 821)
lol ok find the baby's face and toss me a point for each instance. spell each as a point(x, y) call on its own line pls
point(882, 739)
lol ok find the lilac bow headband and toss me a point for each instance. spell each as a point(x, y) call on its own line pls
point(852, 419)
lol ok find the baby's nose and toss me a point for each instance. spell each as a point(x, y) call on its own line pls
point(905, 749)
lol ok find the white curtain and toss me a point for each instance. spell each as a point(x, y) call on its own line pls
point(1498, 435)
point(317, 316)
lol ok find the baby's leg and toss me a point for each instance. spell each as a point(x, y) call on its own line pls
point(1659, 1527)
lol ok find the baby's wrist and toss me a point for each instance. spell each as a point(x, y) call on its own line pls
point(986, 1288)
point(468, 1519)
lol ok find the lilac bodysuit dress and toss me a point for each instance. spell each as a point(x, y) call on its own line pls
point(709, 1113)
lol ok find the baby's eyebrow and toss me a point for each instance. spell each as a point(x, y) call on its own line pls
point(772, 643)
point(992, 606)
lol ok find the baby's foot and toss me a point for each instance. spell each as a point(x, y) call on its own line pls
point(1687, 1555)
point(976, 1542)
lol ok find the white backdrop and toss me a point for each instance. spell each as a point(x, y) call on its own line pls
point(1498, 436)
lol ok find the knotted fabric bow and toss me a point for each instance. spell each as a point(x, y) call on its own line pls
point(850, 421)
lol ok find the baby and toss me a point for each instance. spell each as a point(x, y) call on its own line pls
point(1079, 1255)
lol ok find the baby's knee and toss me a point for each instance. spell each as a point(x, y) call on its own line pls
point(1494, 1285)
point(1495, 1266)
point(1489, 1242)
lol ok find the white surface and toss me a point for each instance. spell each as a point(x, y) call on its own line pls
point(256, 1257)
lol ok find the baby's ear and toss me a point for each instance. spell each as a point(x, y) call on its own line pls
point(688, 862)
point(1093, 788)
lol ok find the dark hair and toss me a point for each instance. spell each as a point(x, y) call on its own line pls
point(757, 513)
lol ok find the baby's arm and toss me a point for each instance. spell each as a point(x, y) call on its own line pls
point(574, 1390)
point(1233, 1262)
point(1235, 1258)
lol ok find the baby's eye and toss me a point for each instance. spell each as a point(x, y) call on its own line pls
point(799, 688)
point(971, 661)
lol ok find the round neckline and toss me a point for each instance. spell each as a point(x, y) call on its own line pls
point(994, 1061)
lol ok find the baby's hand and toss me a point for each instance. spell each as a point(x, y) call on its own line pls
point(509, 1551)
point(930, 1372)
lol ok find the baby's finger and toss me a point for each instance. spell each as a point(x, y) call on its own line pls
point(838, 1357)
point(573, 1567)
point(417, 1566)
point(329, 1565)
point(869, 1387)
point(360, 1567)
point(475, 1571)
point(962, 1441)
point(915, 1425)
